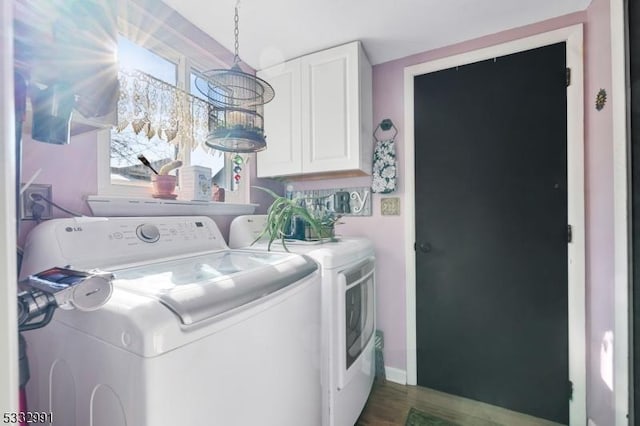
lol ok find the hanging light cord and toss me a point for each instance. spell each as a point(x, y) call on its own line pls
point(236, 32)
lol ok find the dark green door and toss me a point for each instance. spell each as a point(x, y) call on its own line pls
point(491, 232)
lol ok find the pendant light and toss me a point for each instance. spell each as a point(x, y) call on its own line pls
point(235, 113)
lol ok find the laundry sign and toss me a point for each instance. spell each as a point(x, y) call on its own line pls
point(355, 201)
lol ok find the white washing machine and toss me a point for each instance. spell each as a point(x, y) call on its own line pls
point(348, 315)
point(194, 333)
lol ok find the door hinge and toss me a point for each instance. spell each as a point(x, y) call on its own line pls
point(570, 389)
point(569, 234)
point(568, 76)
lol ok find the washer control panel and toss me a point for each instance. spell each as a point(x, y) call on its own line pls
point(148, 233)
point(110, 241)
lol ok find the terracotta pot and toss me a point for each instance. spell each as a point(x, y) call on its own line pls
point(163, 185)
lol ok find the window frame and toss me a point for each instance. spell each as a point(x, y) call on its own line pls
point(185, 65)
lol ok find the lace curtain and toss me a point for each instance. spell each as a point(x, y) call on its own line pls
point(155, 108)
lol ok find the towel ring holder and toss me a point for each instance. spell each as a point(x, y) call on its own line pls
point(385, 125)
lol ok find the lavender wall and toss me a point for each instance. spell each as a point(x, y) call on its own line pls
point(387, 232)
point(70, 169)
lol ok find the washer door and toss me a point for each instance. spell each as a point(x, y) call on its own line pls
point(357, 291)
point(201, 287)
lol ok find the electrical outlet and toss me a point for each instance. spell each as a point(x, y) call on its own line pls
point(27, 203)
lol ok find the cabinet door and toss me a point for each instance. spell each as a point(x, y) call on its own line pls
point(330, 110)
point(282, 122)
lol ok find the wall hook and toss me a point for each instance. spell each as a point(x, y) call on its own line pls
point(386, 125)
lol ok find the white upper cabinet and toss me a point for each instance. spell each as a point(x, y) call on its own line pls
point(320, 121)
point(282, 128)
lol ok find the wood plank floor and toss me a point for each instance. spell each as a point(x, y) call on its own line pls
point(389, 404)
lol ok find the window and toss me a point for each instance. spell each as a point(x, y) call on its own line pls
point(127, 143)
point(165, 70)
point(134, 56)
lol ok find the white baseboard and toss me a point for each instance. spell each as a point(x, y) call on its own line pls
point(396, 375)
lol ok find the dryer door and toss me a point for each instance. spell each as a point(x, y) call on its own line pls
point(357, 291)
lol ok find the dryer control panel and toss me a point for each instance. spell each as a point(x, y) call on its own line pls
point(101, 242)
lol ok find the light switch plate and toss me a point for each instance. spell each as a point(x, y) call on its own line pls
point(390, 206)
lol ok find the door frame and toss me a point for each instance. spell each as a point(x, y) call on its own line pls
point(622, 191)
point(573, 36)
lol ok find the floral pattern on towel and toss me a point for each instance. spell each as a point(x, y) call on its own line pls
point(384, 167)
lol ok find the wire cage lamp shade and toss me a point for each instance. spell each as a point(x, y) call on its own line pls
point(236, 123)
point(235, 99)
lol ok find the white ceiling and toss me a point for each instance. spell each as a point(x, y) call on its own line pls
point(275, 30)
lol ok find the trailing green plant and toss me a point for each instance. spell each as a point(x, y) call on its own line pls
point(327, 218)
point(280, 215)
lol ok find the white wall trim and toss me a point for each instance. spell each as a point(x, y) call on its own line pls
point(395, 375)
point(619, 104)
point(8, 274)
point(575, 179)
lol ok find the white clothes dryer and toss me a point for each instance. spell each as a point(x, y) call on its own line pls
point(347, 267)
point(194, 333)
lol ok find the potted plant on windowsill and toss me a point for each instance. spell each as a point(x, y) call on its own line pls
point(280, 215)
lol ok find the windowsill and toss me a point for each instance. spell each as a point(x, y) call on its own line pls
point(113, 205)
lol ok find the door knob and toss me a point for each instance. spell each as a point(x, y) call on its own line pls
point(424, 247)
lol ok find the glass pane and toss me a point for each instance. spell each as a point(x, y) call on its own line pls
point(194, 89)
point(125, 148)
point(131, 55)
point(203, 156)
point(126, 145)
point(207, 157)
